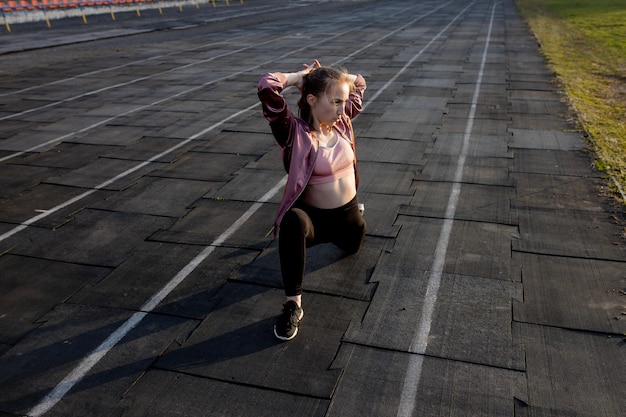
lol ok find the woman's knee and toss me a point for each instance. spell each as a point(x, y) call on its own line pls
point(294, 223)
point(354, 238)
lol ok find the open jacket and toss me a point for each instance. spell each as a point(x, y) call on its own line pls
point(298, 145)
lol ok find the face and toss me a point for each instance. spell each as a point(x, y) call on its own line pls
point(329, 107)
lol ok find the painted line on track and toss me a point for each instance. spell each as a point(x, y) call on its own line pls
point(128, 112)
point(103, 70)
point(419, 343)
point(98, 353)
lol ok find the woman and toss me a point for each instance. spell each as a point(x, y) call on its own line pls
point(319, 203)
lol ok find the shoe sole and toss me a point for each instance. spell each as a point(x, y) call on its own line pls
point(294, 333)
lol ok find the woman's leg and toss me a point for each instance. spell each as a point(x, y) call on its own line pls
point(349, 228)
point(296, 233)
point(294, 236)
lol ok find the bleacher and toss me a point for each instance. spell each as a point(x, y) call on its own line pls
point(19, 11)
point(14, 5)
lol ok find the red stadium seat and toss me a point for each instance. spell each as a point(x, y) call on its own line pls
point(13, 5)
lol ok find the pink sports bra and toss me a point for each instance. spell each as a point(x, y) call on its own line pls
point(333, 163)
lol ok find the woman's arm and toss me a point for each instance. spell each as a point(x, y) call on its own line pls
point(355, 101)
point(295, 79)
point(275, 107)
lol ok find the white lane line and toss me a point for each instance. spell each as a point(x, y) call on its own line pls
point(419, 343)
point(77, 374)
point(111, 87)
point(408, 64)
point(248, 12)
point(133, 81)
point(369, 45)
point(113, 68)
point(46, 213)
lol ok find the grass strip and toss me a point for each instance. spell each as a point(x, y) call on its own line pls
point(584, 42)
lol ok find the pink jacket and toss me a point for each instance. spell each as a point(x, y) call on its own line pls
point(298, 146)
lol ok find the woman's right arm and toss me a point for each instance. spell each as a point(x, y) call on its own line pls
point(271, 86)
point(275, 107)
point(270, 89)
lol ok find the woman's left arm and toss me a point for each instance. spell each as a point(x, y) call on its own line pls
point(354, 106)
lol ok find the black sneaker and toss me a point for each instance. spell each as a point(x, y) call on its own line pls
point(286, 327)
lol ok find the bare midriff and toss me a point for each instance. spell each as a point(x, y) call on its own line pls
point(330, 195)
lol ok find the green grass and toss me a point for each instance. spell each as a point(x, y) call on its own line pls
point(585, 44)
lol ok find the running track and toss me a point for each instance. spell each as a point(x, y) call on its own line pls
point(139, 179)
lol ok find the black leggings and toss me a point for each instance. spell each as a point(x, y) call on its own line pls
point(305, 226)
